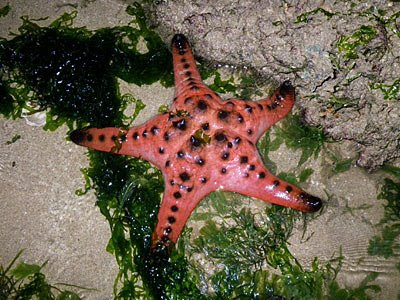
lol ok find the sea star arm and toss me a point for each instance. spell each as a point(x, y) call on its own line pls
point(245, 173)
point(188, 82)
point(184, 63)
point(176, 208)
point(254, 118)
point(267, 187)
point(139, 141)
point(275, 107)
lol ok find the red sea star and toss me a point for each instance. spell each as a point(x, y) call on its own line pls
point(202, 145)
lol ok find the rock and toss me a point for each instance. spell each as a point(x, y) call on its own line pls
point(336, 54)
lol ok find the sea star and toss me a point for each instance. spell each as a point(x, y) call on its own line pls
point(202, 145)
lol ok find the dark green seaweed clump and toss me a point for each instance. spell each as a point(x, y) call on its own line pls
point(74, 71)
point(48, 59)
point(6, 100)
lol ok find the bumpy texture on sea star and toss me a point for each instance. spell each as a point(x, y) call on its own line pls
point(202, 145)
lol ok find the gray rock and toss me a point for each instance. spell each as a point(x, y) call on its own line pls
point(335, 90)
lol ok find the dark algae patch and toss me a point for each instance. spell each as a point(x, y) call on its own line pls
point(5, 10)
point(72, 73)
point(13, 139)
point(49, 62)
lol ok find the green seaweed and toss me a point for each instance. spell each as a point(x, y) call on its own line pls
point(306, 17)
point(5, 10)
point(42, 65)
point(264, 146)
point(305, 174)
point(163, 109)
point(340, 164)
point(139, 105)
point(350, 45)
point(386, 244)
point(385, 26)
point(361, 292)
point(242, 86)
point(395, 171)
point(391, 193)
point(296, 180)
point(39, 60)
point(247, 87)
point(241, 243)
point(223, 86)
point(296, 135)
point(338, 103)
point(27, 281)
point(390, 91)
point(15, 138)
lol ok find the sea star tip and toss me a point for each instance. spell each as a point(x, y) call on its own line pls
point(286, 88)
point(313, 203)
point(77, 136)
point(180, 42)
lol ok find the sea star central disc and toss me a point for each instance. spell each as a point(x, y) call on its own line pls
point(202, 145)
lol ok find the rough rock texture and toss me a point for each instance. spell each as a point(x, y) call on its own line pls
point(310, 43)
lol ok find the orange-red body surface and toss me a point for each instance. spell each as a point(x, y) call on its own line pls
point(202, 145)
